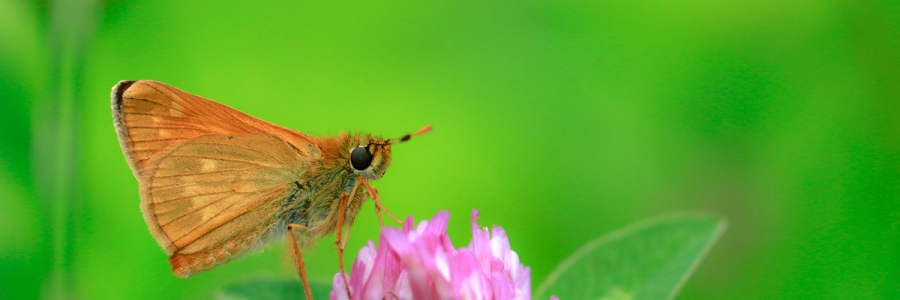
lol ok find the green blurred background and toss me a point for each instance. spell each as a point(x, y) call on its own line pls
point(559, 120)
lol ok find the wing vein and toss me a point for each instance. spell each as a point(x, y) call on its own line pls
point(173, 99)
point(160, 104)
point(242, 147)
point(157, 140)
point(202, 207)
point(198, 173)
point(249, 162)
point(192, 196)
point(213, 217)
point(161, 116)
point(165, 127)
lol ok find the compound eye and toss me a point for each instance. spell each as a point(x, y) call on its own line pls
point(360, 158)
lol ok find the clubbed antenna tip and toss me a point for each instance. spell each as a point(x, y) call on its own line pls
point(404, 138)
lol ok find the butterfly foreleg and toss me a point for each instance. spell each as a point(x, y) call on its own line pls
point(378, 205)
point(301, 267)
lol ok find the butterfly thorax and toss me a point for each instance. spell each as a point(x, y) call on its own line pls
point(329, 174)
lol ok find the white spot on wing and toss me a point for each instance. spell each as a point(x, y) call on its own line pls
point(207, 165)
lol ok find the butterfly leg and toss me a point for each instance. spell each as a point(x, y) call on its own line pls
point(340, 247)
point(342, 210)
point(346, 236)
point(378, 205)
point(378, 213)
point(301, 267)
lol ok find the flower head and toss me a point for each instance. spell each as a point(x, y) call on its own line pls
point(421, 263)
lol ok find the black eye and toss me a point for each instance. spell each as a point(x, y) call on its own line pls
point(360, 158)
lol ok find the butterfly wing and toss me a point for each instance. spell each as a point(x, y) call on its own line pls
point(213, 180)
point(151, 116)
point(214, 197)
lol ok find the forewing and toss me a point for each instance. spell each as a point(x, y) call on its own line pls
point(211, 198)
point(152, 116)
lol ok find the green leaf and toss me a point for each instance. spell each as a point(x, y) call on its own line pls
point(271, 289)
point(650, 259)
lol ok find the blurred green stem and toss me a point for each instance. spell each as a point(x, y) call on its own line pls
point(56, 131)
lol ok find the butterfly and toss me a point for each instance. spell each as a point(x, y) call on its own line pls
point(216, 183)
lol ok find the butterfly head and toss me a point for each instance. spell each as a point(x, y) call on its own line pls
point(371, 155)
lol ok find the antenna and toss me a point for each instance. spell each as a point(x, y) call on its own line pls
point(404, 138)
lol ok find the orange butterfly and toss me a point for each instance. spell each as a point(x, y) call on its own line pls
point(216, 183)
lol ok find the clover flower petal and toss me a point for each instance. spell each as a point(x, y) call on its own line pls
point(421, 263)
